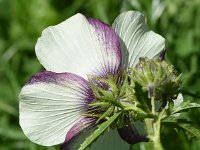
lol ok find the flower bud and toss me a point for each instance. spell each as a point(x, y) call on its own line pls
point(158, 78)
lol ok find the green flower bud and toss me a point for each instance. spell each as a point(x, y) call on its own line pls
point(158, 78)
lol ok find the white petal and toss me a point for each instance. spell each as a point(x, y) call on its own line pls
point(80, 45)
point(137, 40)
point(50, 104)
point(178, 100)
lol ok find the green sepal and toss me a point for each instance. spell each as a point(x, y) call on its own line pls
point(105, 93)
point(142, 98)
point(100, 104)
point(110, 81)
point(130, 92)
point(112, 84)
point(159, 74)
point(170, 106)
point(111, 100)
point(93, 87)
point(139, 77)
point(91, 115)
point(106, 114)
point(123, 88)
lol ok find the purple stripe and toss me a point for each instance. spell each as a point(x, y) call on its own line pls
point(109, 39)
point(48, 77)
point(78, 133)
point(130, 135)
point(84, 123)
point(162, 55)
point(64, 79)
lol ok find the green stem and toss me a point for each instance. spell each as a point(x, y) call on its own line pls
point(153, 127)
point(153, 106)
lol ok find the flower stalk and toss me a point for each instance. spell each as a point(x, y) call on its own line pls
point(154, 125)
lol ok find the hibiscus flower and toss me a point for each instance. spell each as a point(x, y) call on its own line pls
point(52, 102)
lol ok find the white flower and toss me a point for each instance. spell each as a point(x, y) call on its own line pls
point(51, 103)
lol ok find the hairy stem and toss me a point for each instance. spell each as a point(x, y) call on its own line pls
point(153, 126)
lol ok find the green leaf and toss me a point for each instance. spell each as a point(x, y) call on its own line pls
point(185, 106)
point(101, 128)
point(190, 130)
point(175, 120)
point(170, 119)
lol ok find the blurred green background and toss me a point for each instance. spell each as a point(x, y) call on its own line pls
point(22, 21)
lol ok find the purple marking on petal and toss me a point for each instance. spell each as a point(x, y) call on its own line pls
point(128, 134)
point(79, 126)
point(48, 77)
point(63, 79)
point(162, 55)
point(78, 131)
point(109, 39)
